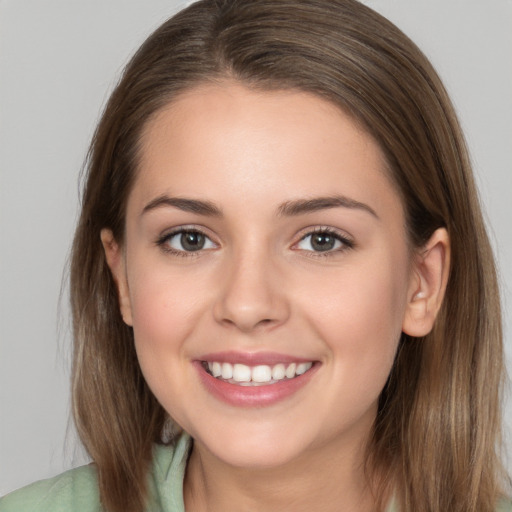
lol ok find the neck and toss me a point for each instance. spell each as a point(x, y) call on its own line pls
point(328, 478)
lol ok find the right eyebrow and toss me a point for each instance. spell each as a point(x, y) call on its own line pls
point(182, 203)
point(302, 206)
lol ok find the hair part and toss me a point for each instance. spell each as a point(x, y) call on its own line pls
point(437, 431)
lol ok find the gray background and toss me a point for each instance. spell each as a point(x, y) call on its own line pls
point(58, 62)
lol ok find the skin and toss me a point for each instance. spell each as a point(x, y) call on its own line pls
point(259, 285)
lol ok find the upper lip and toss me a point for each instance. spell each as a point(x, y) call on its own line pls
point(252, 358)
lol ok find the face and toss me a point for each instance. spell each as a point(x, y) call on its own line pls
point(265, 271)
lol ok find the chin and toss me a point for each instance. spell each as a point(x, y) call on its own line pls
point(253, 450)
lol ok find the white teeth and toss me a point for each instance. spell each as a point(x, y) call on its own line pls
point(290, 371)
point(241, 373)
point(278, 372)
point(216, 369)
point(261, 374)
point(227, 371)
point(246, 375)
point(303, 368)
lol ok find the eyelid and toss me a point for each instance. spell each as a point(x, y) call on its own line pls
point(162, 240)
point(346, 240)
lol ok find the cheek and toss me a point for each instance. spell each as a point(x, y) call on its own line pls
point(164, 312)
point(358, 312)
point(163, 300)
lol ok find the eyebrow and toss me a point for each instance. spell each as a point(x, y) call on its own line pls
point(187, 205)
point(288, 209)
point(301, 206)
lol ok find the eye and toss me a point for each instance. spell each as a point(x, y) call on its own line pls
point(186, 240)
point(324, 240)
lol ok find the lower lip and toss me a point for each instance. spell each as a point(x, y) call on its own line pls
point(253, 396)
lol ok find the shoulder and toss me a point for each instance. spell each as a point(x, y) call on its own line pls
point(76, 489)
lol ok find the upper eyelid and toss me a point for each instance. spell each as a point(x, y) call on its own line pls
point(171, 232)
point(311, 230)
point(184, 228)
point(303, 233)
point(346, 240)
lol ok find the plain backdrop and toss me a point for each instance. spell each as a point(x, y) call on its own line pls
point(58, 61)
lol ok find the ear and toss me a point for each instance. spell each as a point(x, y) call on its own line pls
point(429, 277)
point(116, 262)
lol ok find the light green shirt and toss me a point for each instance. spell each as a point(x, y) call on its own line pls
point(77, 489)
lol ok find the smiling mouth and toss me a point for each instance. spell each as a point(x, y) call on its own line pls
point(244, 375)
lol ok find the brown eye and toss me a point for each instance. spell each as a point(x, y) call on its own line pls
point(192, 240)
point(186, 240)
point(324, 241)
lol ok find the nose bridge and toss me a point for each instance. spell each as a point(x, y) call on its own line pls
point(249, 295)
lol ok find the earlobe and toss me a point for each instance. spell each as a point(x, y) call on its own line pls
point(429, 278)
point(116, 263)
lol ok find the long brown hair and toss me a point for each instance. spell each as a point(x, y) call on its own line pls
point(437, 432)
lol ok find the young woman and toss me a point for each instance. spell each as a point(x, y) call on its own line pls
point(283, 293)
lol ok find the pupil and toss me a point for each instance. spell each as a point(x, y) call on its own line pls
point(192, 241)
point(322, 242)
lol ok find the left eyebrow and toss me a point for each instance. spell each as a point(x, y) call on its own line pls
point(301, 206)
point(187, 205)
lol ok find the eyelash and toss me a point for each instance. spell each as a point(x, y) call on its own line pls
point(163, 241)
point(346, 243)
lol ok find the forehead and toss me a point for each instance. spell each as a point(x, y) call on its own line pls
point(248, 111)
point(258, 143)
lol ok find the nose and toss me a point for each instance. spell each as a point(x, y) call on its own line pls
point(251, 295)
